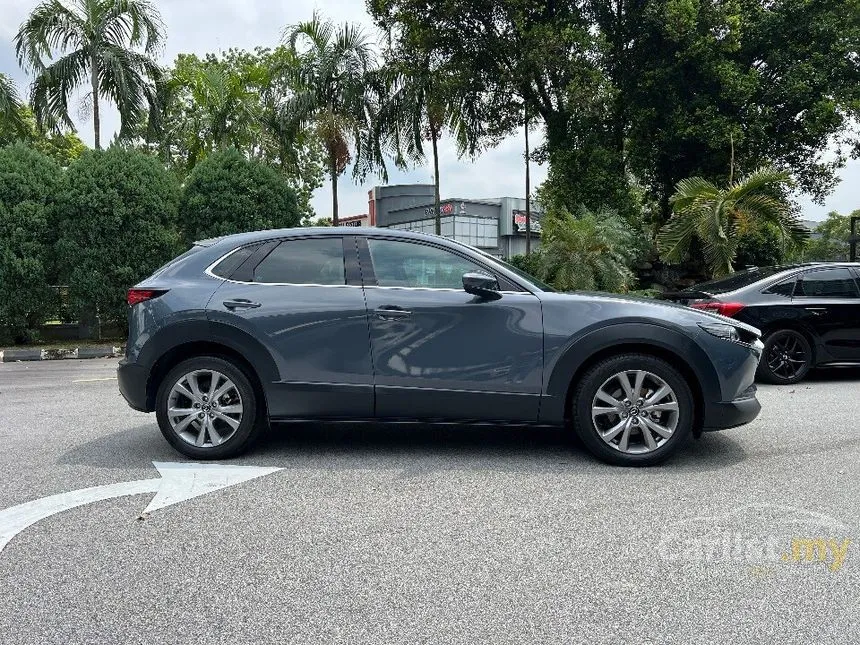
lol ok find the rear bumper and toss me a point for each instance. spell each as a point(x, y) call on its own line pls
point(730, 414)
point(132, 380)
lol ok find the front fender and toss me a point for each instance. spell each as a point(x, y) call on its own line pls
point(566, 360)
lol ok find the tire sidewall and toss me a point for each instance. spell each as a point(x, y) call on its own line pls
point(248, 427)
point(594, 379)
point(765, 372)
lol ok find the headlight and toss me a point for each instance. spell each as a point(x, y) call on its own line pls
point(721, 330)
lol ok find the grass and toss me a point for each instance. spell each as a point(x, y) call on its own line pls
point(66, 344)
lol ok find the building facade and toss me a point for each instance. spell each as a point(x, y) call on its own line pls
point(496, 226)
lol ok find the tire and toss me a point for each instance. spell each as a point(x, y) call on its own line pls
point(786, 359)
point(237, 402)
point(601, 425)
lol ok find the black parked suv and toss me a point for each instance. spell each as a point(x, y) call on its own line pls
point(809, 314)
point(374, 324)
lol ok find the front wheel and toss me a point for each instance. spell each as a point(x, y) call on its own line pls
point(786, 359)
point(633, 410)
point(207, 408)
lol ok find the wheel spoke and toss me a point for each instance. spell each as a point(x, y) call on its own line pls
point(648, 437)
point(201, 434)
point(625, 438)
point(637, 385)
point(614, 430)
point(231, 409)
point(233, 423)
point(625, 385)
point(611, 400)
point(192, 383)
point(669, 406)
point(213, 434)
point(658, 395)
point(180, 412)
point(180, 427)
point(663, 431)
point(594, 411)
point(221, 391)
point(213, 385)
point(179, 387)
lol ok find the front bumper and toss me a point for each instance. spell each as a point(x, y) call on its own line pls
point(730, 414)
point(132, 380)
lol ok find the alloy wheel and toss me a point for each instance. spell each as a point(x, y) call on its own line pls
point(635, 411)
point(787, 356)
point(204, 408)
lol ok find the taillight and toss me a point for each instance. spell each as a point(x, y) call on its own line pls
point(136, 296)
point(729, 309)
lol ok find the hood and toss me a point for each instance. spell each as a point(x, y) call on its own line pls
point(652, 307)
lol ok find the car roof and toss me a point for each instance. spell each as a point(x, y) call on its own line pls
point(303, 231)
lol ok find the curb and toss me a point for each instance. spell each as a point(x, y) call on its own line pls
point(37, 354)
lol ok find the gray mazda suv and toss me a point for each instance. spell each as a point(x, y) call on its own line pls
point(345, 324)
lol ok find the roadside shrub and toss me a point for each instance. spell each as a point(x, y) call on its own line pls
point(117, 224)
point(531, 263)
point(588, 251)
point(29, 180)
point(227, 193)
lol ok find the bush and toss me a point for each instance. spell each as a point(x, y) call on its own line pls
point(227, 193)
point(589, 251)
point(29, 181)
point(117, 224)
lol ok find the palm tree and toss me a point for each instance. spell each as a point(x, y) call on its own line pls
point(589, 251)
point(718, 217)
point(10, 105)
point(422, 104)
point(98, 41)
point(329, 94)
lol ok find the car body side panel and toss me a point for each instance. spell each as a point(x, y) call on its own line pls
point(317, 337)
point(456, 356)
point(723, 369)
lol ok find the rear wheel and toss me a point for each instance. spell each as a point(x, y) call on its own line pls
point(207, 409)
point(633, 410)
point(787, 357)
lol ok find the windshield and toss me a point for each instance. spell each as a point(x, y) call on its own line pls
point(736, 280)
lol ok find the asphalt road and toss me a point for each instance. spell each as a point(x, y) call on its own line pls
point(413, 535)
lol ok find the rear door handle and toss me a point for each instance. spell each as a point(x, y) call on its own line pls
point(240, 303)
point(391, 312)
point(816, 311)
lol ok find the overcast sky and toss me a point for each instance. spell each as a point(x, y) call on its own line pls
point(201, 26)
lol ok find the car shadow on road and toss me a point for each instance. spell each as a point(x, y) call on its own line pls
point(412, 448)
point(833, 374)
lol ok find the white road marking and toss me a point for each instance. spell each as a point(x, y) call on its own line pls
point(92, 380)
point(178, 482)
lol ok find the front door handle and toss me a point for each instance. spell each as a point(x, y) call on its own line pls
point(391, 312)
point(240, 303)
point(816, 311)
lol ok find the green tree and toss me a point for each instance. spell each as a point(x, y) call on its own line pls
point(29, 183)
point(329, 91)
point(99, 40)
point(831, 239)
point(719, 217)
point(62, 147)
point(587, 252)
point(116, 223)
point(653, 91)
point(10, 106)
point(420, 104)
point(230, 100)
point(227, 193)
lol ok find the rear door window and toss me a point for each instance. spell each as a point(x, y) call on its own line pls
point(315, 261)
point(828, 283)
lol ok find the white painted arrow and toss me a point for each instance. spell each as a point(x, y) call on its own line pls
point(178, 482)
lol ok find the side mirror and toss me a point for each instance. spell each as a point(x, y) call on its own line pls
point(481, 284)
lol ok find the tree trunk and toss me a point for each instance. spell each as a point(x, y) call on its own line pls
point(94, 78)
point(528, 194)
point(438, 209)
point(333, 167)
